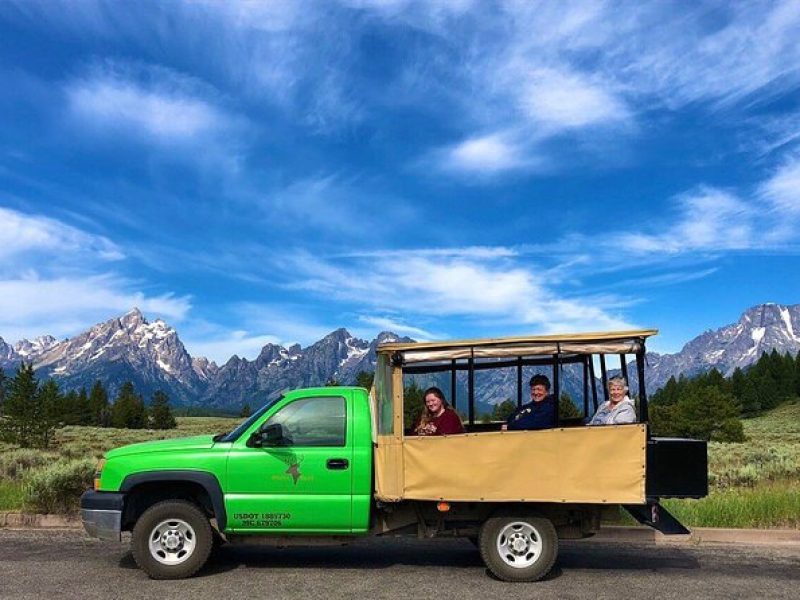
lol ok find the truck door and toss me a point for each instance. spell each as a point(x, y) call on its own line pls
point(305, 484)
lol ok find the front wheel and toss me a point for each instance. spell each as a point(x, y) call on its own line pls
point(171, 540)
point(518, 548)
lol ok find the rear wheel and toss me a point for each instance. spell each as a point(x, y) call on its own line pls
point(172, 540)
point(518, 548)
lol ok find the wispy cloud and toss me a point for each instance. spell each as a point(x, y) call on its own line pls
point(477, 290)
point(396, 326)
point(486, 154)
point(708, 220)
point(54, 279)
point(782, 190)
point(62, 306)
point(24, 234)
point(164, 106)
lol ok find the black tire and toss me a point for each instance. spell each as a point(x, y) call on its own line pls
point(518, 548)
point(172, 540)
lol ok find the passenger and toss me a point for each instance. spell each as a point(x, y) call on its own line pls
point(619, 408)
point(539, 413)
point(437, 418)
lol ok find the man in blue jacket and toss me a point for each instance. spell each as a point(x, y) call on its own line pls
point(540, 412)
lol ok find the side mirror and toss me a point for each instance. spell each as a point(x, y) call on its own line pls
point(268, 435)
point(272, 434)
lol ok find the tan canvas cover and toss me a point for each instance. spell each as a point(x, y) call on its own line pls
point(581, 465)
point(612, 342)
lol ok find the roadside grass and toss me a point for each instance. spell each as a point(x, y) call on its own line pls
point(12, 495)
point(765, 505)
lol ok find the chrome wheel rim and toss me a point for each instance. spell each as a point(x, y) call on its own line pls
point(519, 544)
point(172, 542)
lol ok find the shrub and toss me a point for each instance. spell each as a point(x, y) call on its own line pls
point(14, 463)
point(58, 488)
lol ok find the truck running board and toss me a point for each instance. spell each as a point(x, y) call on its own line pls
point(657, 517)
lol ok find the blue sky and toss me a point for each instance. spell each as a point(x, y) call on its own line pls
point(268, 172)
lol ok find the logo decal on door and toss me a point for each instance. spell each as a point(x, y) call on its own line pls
point(293, 461)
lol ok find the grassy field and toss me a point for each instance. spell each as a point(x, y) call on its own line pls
point(753, 484)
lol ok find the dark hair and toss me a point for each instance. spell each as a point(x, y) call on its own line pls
point(540, 380)
point(436, 392)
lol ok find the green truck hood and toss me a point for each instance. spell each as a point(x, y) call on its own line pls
point(196, 442)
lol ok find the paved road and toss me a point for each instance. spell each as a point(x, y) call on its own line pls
point(39, 564)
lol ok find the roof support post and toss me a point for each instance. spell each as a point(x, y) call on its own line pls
point(593, 378)
point(604, 375)
point(471, 387)
point(643, 414)
point(519, 382)
point(586, 360)
point(556, 381)
point(453, 383)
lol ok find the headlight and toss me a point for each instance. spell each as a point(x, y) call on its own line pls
point(97, 472)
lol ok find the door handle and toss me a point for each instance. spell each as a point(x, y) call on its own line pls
point(337, 464)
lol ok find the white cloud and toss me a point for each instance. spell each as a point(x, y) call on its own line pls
point(478, 291)
point(485, 154)
point(708, 220)
point(23, 234)
point(782, 190)
point(220, 349)
point(169, 108)
point(33, 306)
point(560, 100)
point(395, 326)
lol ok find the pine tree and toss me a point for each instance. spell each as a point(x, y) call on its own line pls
point(99, 408)
point(128, 410)
point(246, 410)
point(83, 411)
point(28, 415)
point(68, 408)
point(413, 402)
point(567, 408)
point(364, 379)
point(160, 414)
point(3, 385)
point(47, 403)
point(504, 410)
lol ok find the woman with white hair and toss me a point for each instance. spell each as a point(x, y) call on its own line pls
point(619, 408)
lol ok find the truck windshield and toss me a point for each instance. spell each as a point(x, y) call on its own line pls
point(234, 435)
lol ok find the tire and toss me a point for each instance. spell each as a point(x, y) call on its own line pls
point(172, 540)
point(518, 548)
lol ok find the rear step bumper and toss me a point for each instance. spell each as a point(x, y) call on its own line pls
point(657, 517)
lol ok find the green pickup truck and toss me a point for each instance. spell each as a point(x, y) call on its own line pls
point(330, 464)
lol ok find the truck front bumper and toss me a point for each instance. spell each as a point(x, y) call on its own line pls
point(101, 513)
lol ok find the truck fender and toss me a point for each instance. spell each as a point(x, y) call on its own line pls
point(206, 480)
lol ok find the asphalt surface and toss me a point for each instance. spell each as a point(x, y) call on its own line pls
point(66, 564)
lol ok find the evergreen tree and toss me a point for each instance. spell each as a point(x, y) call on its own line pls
point(160, 413)
point(246, 410)
point(68, 408)
point(709, 414)
point(504, 410)
point(3, 385)
point(364, 379)
point(413, 403)
point(667, 395)
point(567, 408)
point(83, 411)
point(737, 384)
point(47, 403)
point(128, 410)
point(28, 415)
point(99, 409)
point(332, 382)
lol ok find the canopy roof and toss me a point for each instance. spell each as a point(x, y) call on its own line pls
point(609, 342)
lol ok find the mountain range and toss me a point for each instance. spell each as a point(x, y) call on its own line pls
point(151, 355)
